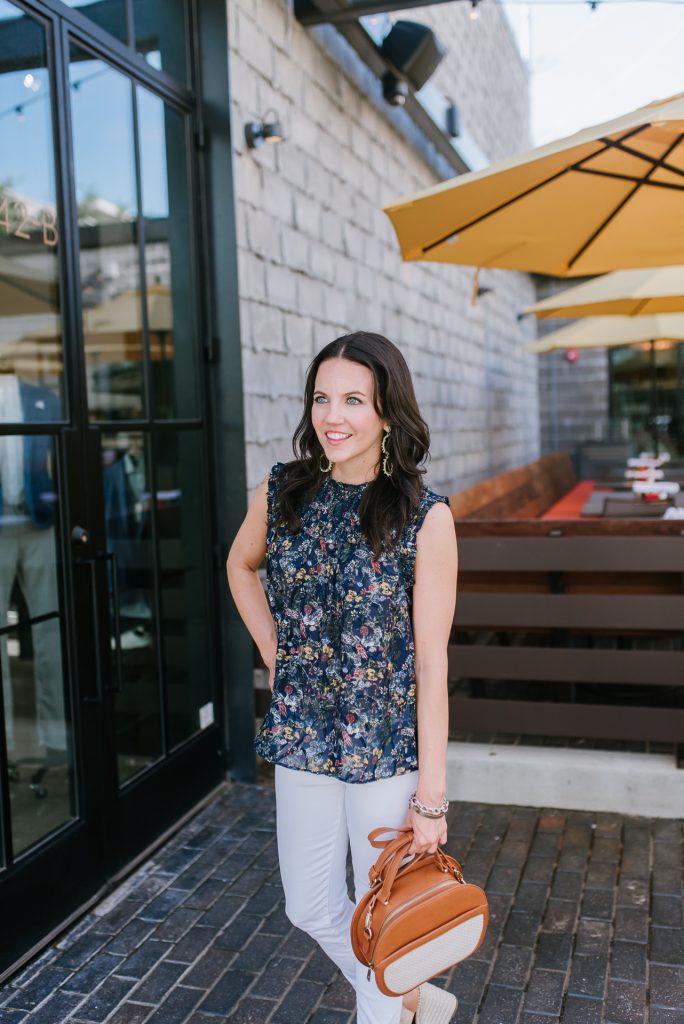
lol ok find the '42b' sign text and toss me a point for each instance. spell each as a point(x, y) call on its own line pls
point(18, 221)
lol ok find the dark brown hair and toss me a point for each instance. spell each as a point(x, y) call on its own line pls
point(387, 502)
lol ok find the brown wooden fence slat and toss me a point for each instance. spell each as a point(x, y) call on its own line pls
point(618, 612)
point(568, 554)
point(595, 721)
point(566, 665)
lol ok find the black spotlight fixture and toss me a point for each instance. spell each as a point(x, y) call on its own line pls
point(264, 130)
point(413, 50)
point(394, 90)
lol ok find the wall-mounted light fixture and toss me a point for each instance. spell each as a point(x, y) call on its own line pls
point(414, 51)
point(265, 130)
point(452, 122)
point(394, 91)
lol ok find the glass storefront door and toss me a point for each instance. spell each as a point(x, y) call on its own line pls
point(109, 713)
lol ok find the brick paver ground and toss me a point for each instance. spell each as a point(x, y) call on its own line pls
point(586, 928)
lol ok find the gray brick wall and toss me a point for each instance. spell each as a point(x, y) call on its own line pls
point(318, 257)
point(573, 397)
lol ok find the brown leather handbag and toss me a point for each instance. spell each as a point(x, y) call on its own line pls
point(417, 919)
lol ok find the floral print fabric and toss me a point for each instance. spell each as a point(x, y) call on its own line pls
point(344, 694)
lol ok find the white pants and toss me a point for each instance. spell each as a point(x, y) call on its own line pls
point(317, 817)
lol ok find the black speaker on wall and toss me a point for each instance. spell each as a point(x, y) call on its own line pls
point(414, 50)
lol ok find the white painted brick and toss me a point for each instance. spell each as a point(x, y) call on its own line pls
point(253, 45)
point(310, 297)
point(281, 286)
point(286, 376)
point(251, 275)
point(307, 216)
point(337, 308)
point(298, 334)
point(318, 256)
point(331, 229)
point(323, 262)
point(264, 234)
point(354, 242)
point(267, 328)
point(296, 249)
point(248, 180)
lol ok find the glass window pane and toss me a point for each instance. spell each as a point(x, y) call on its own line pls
point(37, 721)
point(161, 34)
point(108, 14)
point(129, 540)
point(183, 561)
point(104, 164)
point(168, 259)
point(31, 363)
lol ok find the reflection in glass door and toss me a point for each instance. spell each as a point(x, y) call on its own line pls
point(35, 713)
point(108, 718)
point(136, 245)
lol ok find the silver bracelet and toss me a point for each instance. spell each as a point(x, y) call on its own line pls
point(428, 812)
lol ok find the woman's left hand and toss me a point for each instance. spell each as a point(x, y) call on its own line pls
point(428, 833)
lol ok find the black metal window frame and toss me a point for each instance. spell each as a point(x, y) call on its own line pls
point(215, 274)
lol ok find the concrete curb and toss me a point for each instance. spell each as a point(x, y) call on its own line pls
point(569, 779)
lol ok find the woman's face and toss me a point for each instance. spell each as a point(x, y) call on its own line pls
point(344, 418)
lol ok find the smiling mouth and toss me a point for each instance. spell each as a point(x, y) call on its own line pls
point(335, 437)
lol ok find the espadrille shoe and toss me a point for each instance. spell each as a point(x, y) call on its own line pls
point(435, 1006)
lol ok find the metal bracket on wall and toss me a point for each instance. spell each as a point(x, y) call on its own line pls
point(345, 17)
point(309, 13)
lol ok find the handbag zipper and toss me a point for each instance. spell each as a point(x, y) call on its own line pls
point(416, 899)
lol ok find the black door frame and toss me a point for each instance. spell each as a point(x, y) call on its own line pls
point(224, 435)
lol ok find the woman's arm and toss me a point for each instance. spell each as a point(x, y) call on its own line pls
point(434, 600)
point(244, 558)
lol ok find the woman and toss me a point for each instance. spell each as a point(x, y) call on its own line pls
point(361, 580)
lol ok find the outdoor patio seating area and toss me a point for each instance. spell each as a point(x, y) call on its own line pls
point(569, 615)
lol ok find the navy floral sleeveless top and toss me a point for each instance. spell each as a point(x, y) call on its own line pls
point(344, 694)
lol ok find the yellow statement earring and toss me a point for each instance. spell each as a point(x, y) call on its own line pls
point(325, 469)
point(387, 466)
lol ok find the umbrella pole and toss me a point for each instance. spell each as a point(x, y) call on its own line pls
point(654, 396)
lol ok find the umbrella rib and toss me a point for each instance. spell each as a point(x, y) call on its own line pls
point(623, 202)
point(649, 159)
point(523, 195)
point(496, 209)
point(628, 177)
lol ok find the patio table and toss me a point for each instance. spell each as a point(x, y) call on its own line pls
point(585, 501)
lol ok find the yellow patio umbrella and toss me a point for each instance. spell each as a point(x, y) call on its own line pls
point(641, 292)
point(607, 198)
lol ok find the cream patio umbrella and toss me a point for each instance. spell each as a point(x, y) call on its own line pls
point(656, 333)
point(641, 292)
point(612, 331)
point(607, 198)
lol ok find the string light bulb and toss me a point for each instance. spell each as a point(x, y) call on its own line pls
point(474, 12)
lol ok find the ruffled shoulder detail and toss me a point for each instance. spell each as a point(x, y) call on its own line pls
point(272, 493)
point(410, 535)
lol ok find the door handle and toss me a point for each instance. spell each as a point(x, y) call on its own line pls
point(79, 535)
point(110, 557)
point(92, 563)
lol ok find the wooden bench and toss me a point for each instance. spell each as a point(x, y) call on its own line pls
point(565, 628)
point(522, 493)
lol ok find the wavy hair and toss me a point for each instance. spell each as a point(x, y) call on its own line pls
point(387, 503)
